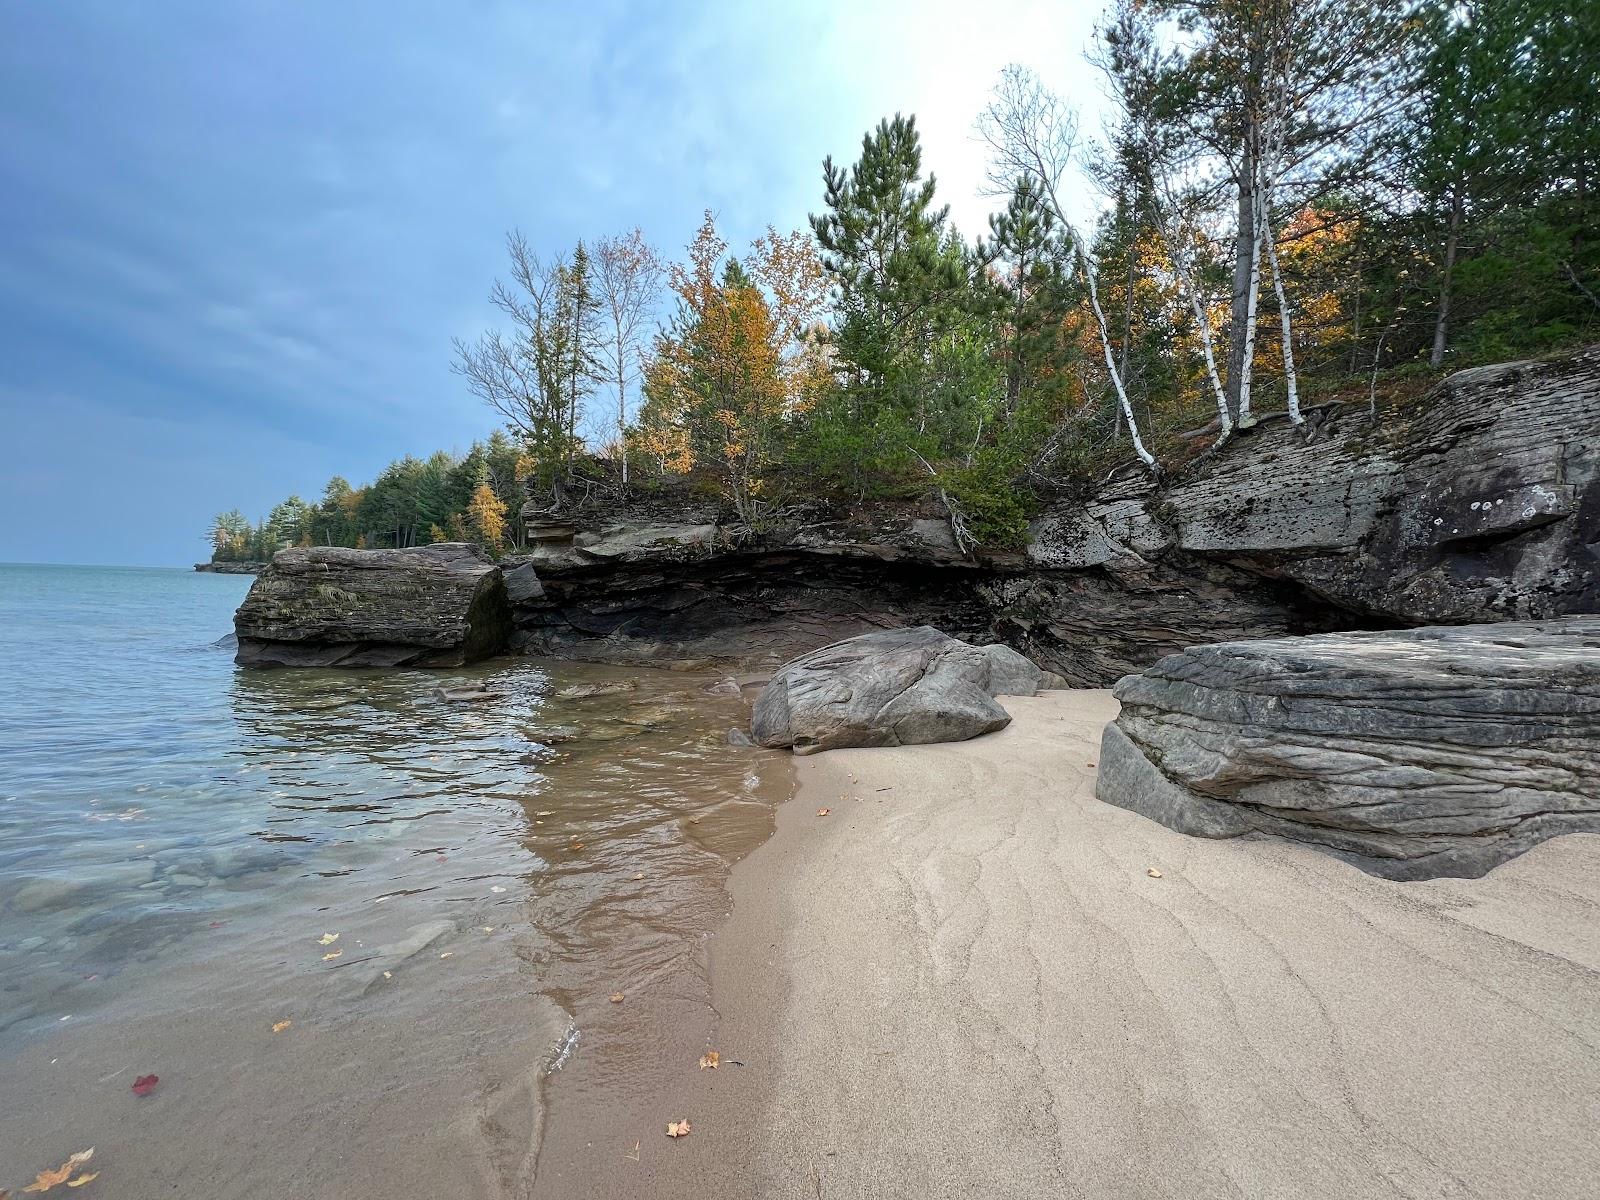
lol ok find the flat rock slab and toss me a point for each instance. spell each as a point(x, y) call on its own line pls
point(329, 606)
point(893, 687)
point(1414, 754)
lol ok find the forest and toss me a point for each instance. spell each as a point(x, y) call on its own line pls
point(1294, 203)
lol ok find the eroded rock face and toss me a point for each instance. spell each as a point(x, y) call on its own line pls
point(895, 687)
point(1414, 754)
point(1481, 502)
point(327, 606)
point(754, 607)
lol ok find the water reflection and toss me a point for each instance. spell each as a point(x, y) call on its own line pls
point(283, 798)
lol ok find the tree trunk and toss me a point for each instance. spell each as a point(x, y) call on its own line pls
point(1441, 327)
point(1247, 355)
point(1244, 248)
point(1291, 381)
point(622, 416)
point(1087, 267)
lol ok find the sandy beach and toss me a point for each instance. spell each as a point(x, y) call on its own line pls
point(966, 981)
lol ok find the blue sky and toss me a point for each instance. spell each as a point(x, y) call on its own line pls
point(237, 239)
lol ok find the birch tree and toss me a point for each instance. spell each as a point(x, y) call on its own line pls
point(536, 373)
point(1284, 98)
point(628, 276)
point(1032, 134)
point(1135, 67)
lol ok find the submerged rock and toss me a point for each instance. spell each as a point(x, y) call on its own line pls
point(895, 687)
point(461, 695)
point(328, 606)
point(1413, 754)
point(586, 691)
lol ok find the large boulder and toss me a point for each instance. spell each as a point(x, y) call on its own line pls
point(328, 606)
point(893, 687)
point(1413, 754)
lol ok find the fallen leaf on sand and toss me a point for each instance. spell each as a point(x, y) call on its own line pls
point(145, 1084)
point(822, 812)
point(83, 1179)
point(710, 1060)
point(677, 1129)
point(617, 997)
point(640, 875)
point(388, 974)
point(575, 846)
point(280, 1026)
point(497, 889)
point(327, 939)
point(332, 956)
point(1154, 873)
point(48, 1179)
point(1090, 764)
point(447, 954)
point(486, 928)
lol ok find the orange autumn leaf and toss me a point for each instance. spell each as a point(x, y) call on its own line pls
point(332, 956)
point(678, 1129)
point(280, 1026)
point(710, 1060)
point(49, 1179)
point(83, 1179)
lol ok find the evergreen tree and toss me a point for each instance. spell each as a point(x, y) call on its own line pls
point(902, 290)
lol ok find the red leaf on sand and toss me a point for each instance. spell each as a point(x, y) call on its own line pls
point(145, 1084)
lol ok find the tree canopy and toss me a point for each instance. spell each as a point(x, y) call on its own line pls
point(1296, 202)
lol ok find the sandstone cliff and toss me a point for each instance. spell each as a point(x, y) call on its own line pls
point(1479, 503)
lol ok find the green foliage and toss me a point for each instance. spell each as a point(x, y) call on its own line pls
point(1432, 187)
point(412, 502)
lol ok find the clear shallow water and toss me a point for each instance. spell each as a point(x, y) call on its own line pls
point(177, 838)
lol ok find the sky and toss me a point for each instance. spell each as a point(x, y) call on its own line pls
point(237, 240)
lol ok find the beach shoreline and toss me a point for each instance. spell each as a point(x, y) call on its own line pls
point(965, 980)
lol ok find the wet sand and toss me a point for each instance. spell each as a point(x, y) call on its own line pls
point(964, 982)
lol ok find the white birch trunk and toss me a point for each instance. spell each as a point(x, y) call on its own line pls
point(1252, 295)
point(1087, 267)
point(1290, 380)
point(1269, 180)
point(1180, 264)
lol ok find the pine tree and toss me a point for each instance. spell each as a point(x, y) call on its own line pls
point(902, 290)
point(1034, 289)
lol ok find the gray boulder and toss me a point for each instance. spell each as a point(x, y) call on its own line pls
point(1413, 754)
point(328, 606)
point(894, 687)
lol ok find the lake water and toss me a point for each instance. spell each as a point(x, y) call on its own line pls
point(432, 902)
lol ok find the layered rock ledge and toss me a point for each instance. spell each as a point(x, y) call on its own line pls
point(1413, 754)
point(327, 606)
point(1479, 502)
point(895, 687)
